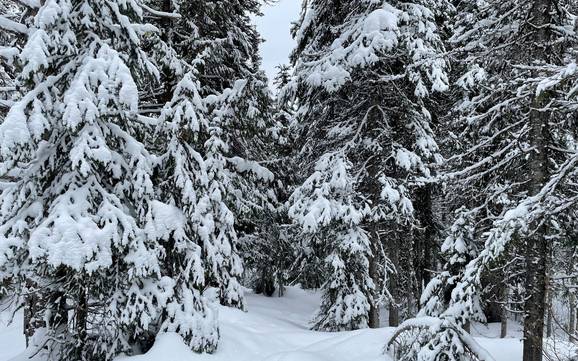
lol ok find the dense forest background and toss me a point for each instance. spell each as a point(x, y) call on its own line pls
point(419, 158)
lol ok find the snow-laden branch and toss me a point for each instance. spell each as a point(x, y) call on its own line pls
point(33, 4)
point(9, 53)
point(161, 14)
point(436, 325)
point(12, 26)
point(5, 104)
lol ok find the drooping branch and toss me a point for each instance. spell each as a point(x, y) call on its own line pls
point(12, 26)
point(436, 325)
point(159, 13)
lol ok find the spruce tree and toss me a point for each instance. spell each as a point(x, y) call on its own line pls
point(514, 174)
point(190, 218)
point(12, 31)
point(74, 238)
point(363, 73)
point(217, 40)
point(239, 102)
point(269, 251)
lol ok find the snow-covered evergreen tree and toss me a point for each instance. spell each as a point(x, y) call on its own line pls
point(218, 40)
point(326, 207)
point(191, 217)
point(363, 72)
point(515, 171)
point(73, 238)
point(12, 31)
point(269, 251)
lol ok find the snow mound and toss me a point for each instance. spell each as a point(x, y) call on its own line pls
point(168, 347)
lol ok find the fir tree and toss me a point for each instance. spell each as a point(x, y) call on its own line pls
point(13, 29)
point(269, 251)
point(217, 39)
point(190, 218)
point(363, 72)
point(516, 163)
point(74, 217)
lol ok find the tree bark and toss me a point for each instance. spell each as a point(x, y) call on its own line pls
point(535, 304)
point(374, 274)
point(549, 316)
point(468, 327)
point(393, 289)
point(572, 318)
point(537, 247)
point(32, 307)
point(372, 187)
point(504, 313)
point(425, 247)
point(81, 320)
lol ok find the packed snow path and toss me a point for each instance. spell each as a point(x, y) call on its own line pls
point(274, 329)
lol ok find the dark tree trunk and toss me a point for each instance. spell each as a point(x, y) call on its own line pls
point(504, 313)
point(536, 246)
point(374, 307)
point(394, 288)
point(57, 309)
point(425, 248)
point(537, 250)
point(372, 187)
point(504, 327)
point(280, 283)
point(535, 304)
point(81, 315)
point(375, 274)
point(550, 316)
point(32, 310)
point(468, 327)
point(572, 318)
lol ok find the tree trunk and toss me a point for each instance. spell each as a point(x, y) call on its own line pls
point(81, 320)
point(32, 308)
point(537, 247)
point(374, 306)
point(535, 304)
point(372, 187)
point(504, 313)
point(425, 247)
point(549, 316)
point(572, 318)
point(504, 325)
point(393, 288)
point(374, 273)
point(468, 327)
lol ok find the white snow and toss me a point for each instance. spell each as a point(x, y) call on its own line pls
point(380, 19)
point(12, 341)
point(11, 25)
point(277, 329)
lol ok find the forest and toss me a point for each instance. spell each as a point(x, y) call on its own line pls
point(414, 163)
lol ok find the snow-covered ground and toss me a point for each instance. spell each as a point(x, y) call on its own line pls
point(12, 341)
point(276, 329)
